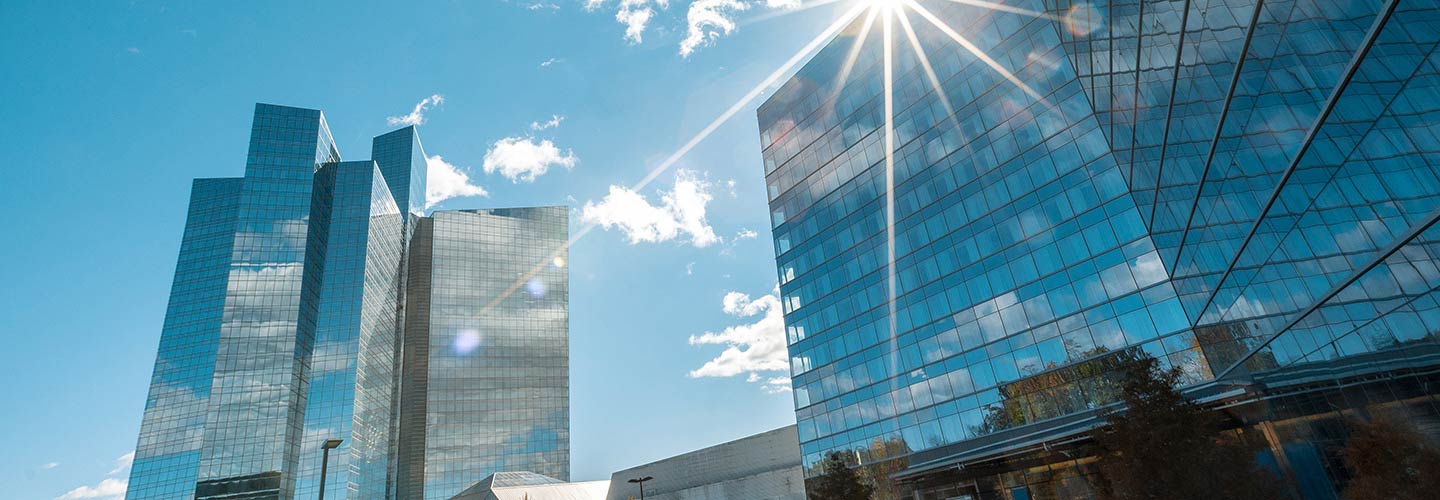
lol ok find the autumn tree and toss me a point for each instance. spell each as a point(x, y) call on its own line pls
point(1162, 445)
point(837, 481)
point(1390, 461)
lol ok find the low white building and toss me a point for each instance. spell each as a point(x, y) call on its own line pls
point(764, 466)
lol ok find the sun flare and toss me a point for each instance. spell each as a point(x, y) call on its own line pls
point(1080, 21)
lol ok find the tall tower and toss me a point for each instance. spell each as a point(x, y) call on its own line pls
point(288, 326)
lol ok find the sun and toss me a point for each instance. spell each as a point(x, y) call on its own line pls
point(897, 33)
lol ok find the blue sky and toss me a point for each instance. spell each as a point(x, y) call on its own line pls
point(112, 108)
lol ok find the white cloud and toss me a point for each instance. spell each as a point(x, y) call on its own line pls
point(705, 20)
point(708, 20)
point(681, 212)
point(690, 269)
point(444, 180)
point(417, 115)
point(108, 489)
point(551, 62)
point(634, 14)
point(525, 159)
point(50, 465)
point(753, 348)
point(635, 22)
point(741, 235)
point(776, 385)
point(112, 487)
point(122, 464)
point(553, 122)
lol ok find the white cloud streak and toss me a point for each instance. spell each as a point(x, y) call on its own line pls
point(123, 464)
point(553, 122)
point(112, 487)
point(756, 348)
point(444, 180)
point(776, 385)
point(109, 489)
point(417, 115)
point(681, 213)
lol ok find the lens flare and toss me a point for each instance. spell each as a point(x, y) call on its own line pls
point(1080, 20)
point(535, 288)
point(759, 89)
point(1084, 19)
point(466, 342)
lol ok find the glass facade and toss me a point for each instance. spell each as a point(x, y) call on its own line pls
point(254, 422)
point(288, 326)
point(1242, 189)
point(352, 368)
point(167, 456)
point(495, 391)
point(402, 160)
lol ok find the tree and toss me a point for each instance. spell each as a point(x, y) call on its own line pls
point(1390, 461)
point(838, 481)
point(1164, 446)
point(886, 457)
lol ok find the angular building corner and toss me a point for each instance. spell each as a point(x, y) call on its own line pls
point(301, 311)
point(1245, 190)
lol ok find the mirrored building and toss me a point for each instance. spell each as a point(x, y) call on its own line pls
point(303, 295)
point(1245, 190)
point(489, 297)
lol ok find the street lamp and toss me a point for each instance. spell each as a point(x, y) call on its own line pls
point(641, 481)
point(330, 444)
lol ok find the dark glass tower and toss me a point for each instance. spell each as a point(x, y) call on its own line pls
point(1245, 190)
point(287, 326)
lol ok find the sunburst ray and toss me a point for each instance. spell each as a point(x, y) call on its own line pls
point(784, 69)
point(930, 74)
point(974, 50)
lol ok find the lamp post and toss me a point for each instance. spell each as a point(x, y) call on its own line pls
point(641, 481)
point(330, 444)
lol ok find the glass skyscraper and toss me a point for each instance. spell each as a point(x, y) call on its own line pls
point(490, 361)
point(300, 291)
point(1245, 190)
